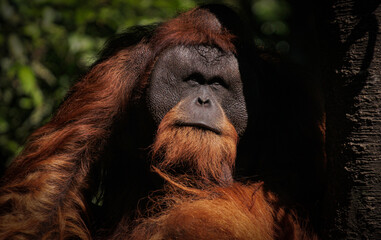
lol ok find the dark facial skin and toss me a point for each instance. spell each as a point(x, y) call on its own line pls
point(207, 82)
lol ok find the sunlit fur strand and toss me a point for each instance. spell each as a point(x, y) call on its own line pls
point(238, 211)
point(186, 30)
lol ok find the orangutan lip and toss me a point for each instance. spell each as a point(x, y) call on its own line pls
point(200, 125)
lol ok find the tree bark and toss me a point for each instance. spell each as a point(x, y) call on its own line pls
point(350, 35)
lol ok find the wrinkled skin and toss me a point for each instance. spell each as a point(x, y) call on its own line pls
point(206, 80)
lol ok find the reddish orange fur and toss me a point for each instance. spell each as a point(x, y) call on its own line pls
point(41, 194)
point(206, 152)
point(241, 212)
point(195, 27)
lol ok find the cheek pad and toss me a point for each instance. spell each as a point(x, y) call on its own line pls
point(161, 98)
point(236, 111)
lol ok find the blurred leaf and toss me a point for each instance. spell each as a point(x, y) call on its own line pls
point(43, 73)
point(16, 48)
point(84, 15)
point(32, 30)
point(4, 126)
point(27, 79)
point(29, 85)
point(79, 42)
point(7, 11)
point(26, 103)
point(270, 10)
point(48, 16)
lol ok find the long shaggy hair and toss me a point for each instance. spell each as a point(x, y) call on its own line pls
point(238, 211)
point(208, 154)
point(41, 194)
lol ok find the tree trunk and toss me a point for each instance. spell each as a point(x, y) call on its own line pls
point(350, 34)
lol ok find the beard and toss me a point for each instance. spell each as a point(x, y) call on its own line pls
point(195, 151)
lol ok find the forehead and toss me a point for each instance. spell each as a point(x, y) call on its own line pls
point(202, 53)
point(204, 59)
point(208, 54)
